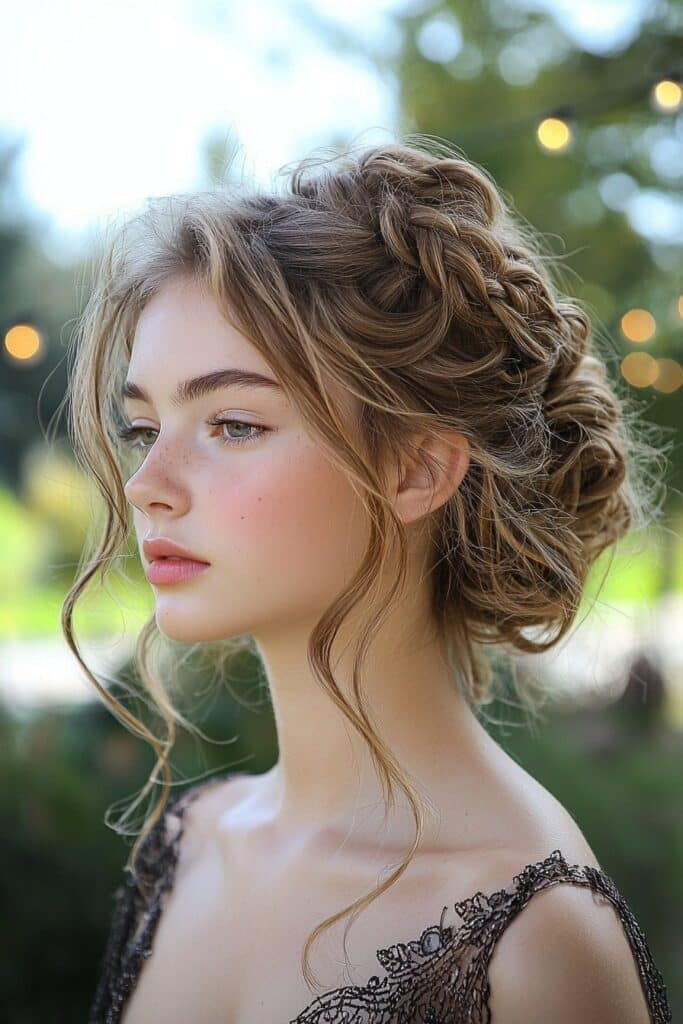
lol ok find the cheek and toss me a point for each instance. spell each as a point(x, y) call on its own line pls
point(292, 519)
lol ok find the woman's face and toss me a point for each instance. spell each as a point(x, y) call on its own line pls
point(280, 526)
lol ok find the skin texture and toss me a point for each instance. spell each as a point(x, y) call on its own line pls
point(283, 530)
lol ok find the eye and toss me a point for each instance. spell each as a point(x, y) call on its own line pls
point(130, 434)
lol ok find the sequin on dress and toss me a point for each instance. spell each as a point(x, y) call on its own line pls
point(442, 975)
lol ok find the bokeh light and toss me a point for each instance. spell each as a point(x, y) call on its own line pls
point(670, 376)
point(639, 369)
point(638, 325)
point(667, 95)
point(22, 341)
point(554, 134)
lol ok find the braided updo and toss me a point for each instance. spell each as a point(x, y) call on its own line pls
point(447, 296)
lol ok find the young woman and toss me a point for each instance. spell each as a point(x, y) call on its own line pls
point(361, 432)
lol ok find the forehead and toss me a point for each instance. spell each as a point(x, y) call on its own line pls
point(182, 327)
point(181, 333)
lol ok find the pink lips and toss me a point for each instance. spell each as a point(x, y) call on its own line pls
point(169, 562)
point(173, 570)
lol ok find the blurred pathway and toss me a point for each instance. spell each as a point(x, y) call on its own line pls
point(43, 671)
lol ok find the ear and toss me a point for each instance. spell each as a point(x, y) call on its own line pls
point(416, 493)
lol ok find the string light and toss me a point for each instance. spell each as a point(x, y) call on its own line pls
point(555, 136)
point(662, 87)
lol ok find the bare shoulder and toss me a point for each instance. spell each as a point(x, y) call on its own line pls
point(196, 812)
point(565, 956)
point(570, 947)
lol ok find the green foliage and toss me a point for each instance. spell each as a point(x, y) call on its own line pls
point(640, 569)
point(42, 536)
point(22, 547)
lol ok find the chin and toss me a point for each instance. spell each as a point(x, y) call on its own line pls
point(188, 629)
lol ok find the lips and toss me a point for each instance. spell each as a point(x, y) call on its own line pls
point(162, 548)
point(164, 571)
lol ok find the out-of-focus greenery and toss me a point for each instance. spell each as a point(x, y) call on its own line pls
point(640, 568)
point(43, 534)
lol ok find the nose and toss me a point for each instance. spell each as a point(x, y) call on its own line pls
point(153, 485)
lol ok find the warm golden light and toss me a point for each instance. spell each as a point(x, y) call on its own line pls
point(638, 325)
point(680, 306)
point(554, 134)
point(667, 95)
point(670, 376)
point(22, 341)
point(640, 369)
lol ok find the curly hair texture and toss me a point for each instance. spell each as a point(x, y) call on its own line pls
point(400, 274)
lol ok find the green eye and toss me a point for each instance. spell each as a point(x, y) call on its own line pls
point(130, 434)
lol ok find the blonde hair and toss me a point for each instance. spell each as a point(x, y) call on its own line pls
point(401, 276)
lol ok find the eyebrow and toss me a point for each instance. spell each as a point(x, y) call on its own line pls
point(196, 387)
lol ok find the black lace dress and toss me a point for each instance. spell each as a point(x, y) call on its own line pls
point(442, 975)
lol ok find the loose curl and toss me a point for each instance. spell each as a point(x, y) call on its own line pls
point(401, 276)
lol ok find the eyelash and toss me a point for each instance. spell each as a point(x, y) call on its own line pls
point(129, 433)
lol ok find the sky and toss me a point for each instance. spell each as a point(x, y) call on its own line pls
point(113, 99)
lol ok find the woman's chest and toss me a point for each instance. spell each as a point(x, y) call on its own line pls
point(228, 946)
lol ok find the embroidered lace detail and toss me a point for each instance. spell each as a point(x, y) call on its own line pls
point(442, 975)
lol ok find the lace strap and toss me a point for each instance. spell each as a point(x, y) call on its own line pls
point(135, 917)
point(503, 907)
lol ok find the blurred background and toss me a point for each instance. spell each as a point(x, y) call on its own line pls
point(576, 109)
